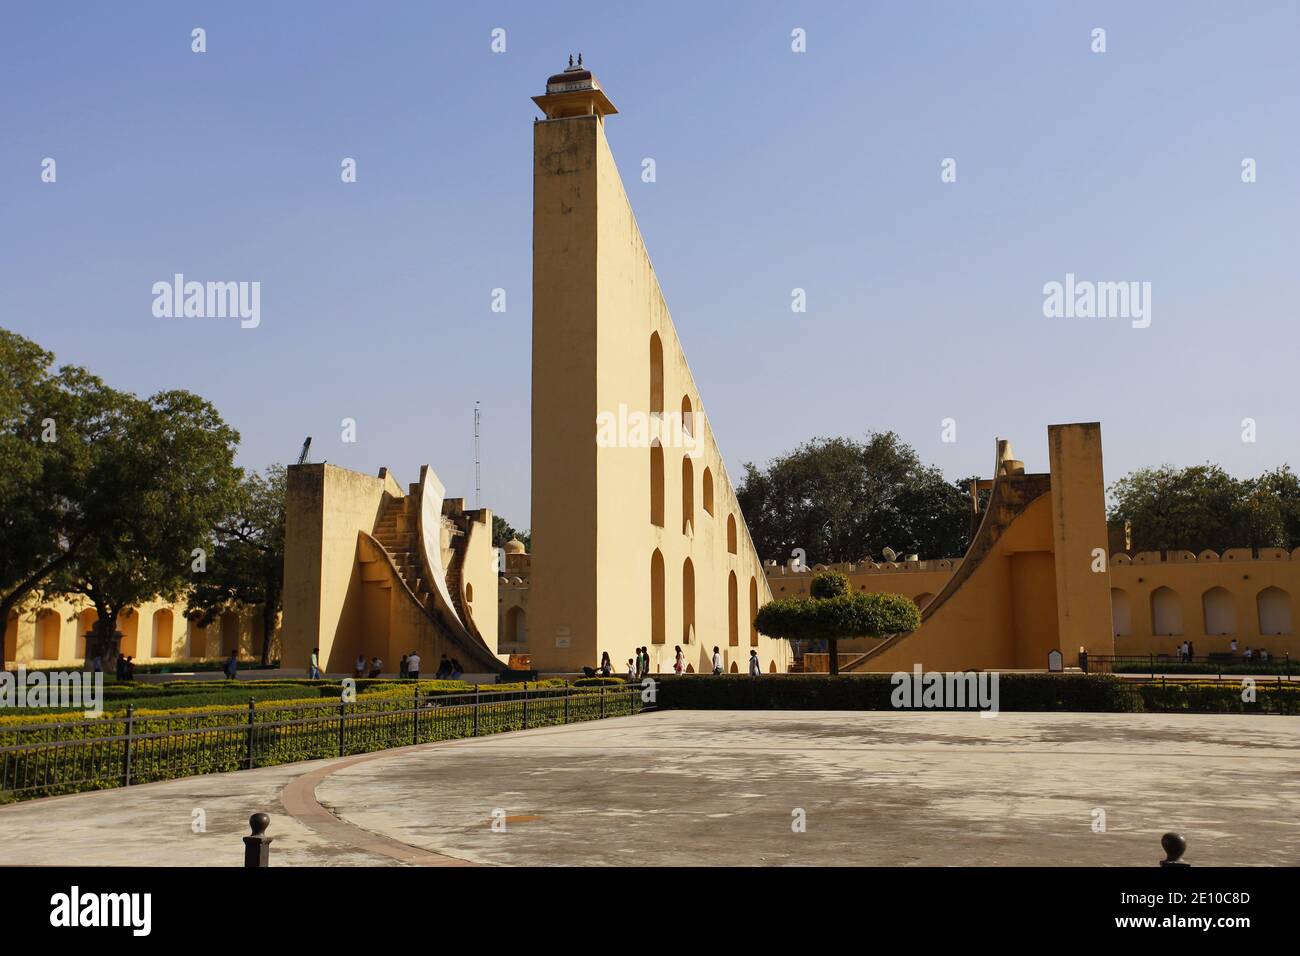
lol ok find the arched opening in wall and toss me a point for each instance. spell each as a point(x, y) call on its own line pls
point(48, 626)
point(128, 622)
point(688, 495)
point(198, 639)
point(753, 611)
point(1166, 613)
point(733, 611)
point(85, 621)
point(657, 620)
point(656, 374)
point(922, 599)
point(688, 602)
point(516, 625)
point(469, 598)
point(688, 420)
point(162, 632)
point(771, 667)
point(731, 533)
point(708, 491)
point(734, 669)
point(657, 484)
point(1220, 613)
point(229, 633)
point(1274, 607)
point(11, 638)
point(1121, 612)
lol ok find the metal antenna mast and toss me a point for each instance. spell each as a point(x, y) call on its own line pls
point(477, 475)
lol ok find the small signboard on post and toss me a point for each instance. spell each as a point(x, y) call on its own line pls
point(1055, 662)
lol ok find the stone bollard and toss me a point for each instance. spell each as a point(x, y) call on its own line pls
point(257, 848)
point(1174, 846)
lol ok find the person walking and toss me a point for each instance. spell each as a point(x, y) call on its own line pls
point(313, 664)
point(413, 665)
point(755, 668)
point(717, 661)
point(401, 668)
point(376, 667)
point(359, 670)
point(632, 669)
point(679, 662)
point(232, 666)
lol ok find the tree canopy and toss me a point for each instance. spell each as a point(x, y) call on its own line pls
point(843, 500)
point(246, 566)
point(835, 613)
point(502, 532)
point(1202, 506)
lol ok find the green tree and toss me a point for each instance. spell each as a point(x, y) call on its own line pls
point(842, 500)
point(52, 423)
point(834, 613)
point(503, 532)
point(164, 478)
point(246, 566)
point(1198, 507)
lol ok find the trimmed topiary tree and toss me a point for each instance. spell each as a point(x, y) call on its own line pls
point(834, 613)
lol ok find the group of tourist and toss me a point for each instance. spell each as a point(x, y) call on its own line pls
point(449, 669)
point(1187, 652)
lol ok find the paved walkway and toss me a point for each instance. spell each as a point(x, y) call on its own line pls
point(723, 788)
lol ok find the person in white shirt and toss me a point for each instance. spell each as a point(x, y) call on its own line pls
point(413, 666)
point(360, 669)
point(631, 669)
point(755, 668)
point(376, 666)
point(1232, 646)
point(717, 661)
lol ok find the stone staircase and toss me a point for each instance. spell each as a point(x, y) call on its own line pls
point(397, 530)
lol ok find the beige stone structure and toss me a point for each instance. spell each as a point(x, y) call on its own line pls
point(372, 570)
point(637, 536)
point(50, 631)
point(1037, 577)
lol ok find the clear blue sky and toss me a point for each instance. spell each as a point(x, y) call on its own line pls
point(775, 170)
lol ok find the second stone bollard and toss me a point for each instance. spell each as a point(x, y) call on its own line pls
point(257, 848)
point(1174, 846)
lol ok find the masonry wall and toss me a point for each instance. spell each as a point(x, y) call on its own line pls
point(597, 305)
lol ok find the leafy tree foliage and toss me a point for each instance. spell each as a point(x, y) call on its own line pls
point(840, 614)
point(246, 566)
point(502, 532)
point(52, 422)
point(162, 479)
point(1202, 506)
point(843, 500)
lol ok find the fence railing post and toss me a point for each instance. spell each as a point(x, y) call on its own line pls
point(415, 716)
point(126, 762)
point(343, 710)
point(567, 691)
point(249, 733)
point(525, 705)
point(476, 702)
point(602, 700)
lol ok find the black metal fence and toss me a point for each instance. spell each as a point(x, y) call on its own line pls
point(1210, 664)
point(38, 760)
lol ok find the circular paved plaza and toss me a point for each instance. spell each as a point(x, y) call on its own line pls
point(715, 788)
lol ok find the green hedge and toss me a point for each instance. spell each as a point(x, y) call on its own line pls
point(217, 740)
point(1086, 693)
point(1283, 667)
